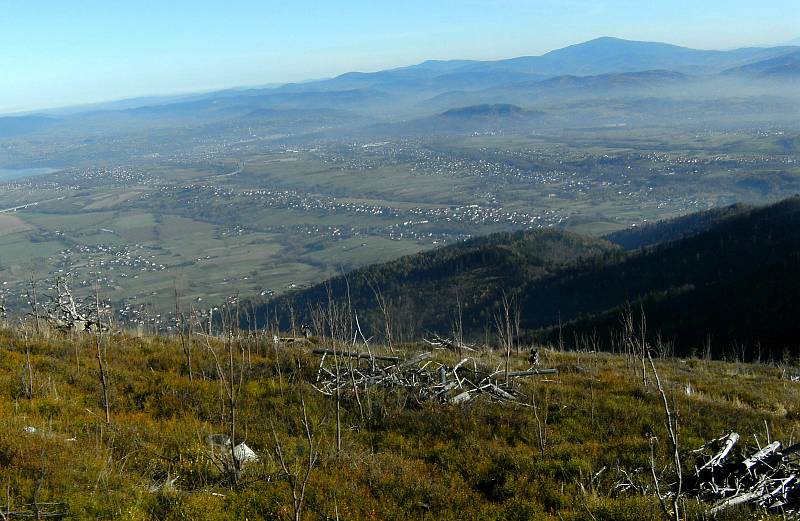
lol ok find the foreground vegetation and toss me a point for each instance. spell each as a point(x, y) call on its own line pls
point(557, 456)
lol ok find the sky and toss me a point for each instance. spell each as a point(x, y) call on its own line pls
point(64, 52)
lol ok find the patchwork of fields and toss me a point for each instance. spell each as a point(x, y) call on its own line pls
point(253, 218)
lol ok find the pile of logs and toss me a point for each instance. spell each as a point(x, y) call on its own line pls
point(441, 342)
point(768, 478)
point(428, 380)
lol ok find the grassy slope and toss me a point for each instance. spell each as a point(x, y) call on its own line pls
point(400, 460)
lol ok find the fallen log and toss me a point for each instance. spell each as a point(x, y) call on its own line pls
point(767, 478)
point(354, 354)
point(761, 455)
point(532, 372)
point(414, 360)
point(452, 345)
point(728, 442)
point(461, 398)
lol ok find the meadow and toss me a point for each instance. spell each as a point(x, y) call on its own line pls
point(560, 453)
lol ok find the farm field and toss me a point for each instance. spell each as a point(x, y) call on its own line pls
point(257, 219)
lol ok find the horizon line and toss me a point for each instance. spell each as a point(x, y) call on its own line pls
point(279, 84)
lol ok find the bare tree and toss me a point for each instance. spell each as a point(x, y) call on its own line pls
point(672, 431)
point(384, 307)
point(506, 324)
point(298, 474)
point(65, 312)
point(98, 342)
point(184, 333)
point(231, 379)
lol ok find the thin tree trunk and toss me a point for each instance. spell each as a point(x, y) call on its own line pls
point(30, 371)
point(98, 337)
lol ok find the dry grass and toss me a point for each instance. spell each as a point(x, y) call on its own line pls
point(403, 460)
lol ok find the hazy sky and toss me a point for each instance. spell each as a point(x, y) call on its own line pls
point(60, 52)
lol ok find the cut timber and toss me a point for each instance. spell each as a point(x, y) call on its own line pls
point(461, 398)
point(766, 479)
point(353, 354)
point(728, 442)
point(761, 455)
point(532, 372)
point(452, 345)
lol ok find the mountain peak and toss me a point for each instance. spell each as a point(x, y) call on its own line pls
point(611, 43)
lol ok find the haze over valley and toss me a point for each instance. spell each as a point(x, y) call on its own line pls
point(259, 191)
point(398, 261)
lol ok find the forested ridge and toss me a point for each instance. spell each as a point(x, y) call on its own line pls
point(423, 292)
point(727, 278)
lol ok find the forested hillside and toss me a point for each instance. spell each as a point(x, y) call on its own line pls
point(661, 232)
point(423, 292)
point(735, 286)
point(727, 280)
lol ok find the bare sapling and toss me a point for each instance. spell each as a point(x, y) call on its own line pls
point(541, 420)
point(671, 421)
point(506, 325)
point(458, 326)
point(98, 343)
point(183, 333)
point(231, 380)
point(34, 302)
point(383, 305)
point(297, 473)
point(635, 342)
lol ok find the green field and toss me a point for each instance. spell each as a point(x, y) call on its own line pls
point(256, 219)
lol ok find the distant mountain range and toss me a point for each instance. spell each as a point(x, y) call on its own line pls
point(596, 57)
point(19, 125)
point(730, 276)
point(605, 68)
point(785, 65)
point(602, 56)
